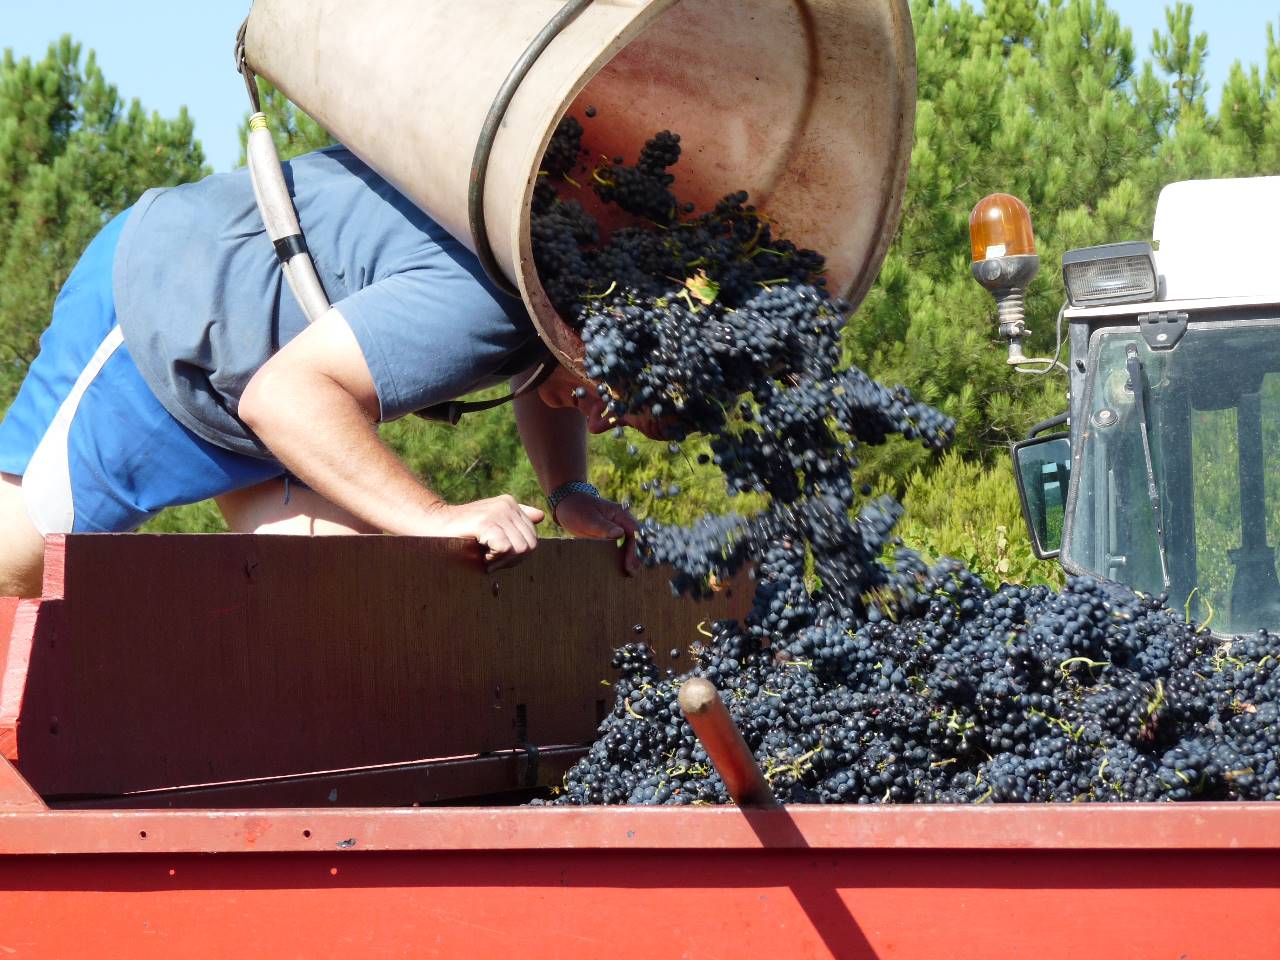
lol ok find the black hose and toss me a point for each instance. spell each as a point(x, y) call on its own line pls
point(243, 68)
point(489, 132)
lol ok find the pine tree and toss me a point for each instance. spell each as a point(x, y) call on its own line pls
point(1181, 55)
point(72, 154)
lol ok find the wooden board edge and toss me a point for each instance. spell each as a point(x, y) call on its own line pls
point(13, 673)
point(55, 567)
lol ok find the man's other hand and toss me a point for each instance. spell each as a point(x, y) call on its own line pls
point(502, 525)
point(598, 519)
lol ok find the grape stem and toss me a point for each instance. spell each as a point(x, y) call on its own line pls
point(600, 296)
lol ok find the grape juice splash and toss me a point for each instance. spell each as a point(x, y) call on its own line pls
point(855, 678)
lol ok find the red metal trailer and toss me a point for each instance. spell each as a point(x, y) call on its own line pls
point(255, 732)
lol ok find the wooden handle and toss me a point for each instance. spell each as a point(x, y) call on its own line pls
point(723, 742)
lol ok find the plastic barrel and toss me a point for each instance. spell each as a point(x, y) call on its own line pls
point(806, 104)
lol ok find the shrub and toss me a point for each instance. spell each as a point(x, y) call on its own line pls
point(965, 510)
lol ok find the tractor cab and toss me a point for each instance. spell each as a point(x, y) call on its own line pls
point(1167, 478)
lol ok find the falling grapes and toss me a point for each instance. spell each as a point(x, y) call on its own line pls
point(855, 678)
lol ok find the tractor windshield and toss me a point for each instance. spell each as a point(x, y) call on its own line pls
point(1196, 503)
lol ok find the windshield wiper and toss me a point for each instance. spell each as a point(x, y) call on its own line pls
point(1138, 384)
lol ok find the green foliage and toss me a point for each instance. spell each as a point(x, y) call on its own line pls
point(72, 154)
point(971, 512)
point(1180, 55)
point(1048, 101)
point(201, 517)
point(480, 457)
point(645, 478)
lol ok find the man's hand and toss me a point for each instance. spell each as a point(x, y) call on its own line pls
point(598, 519)
point(502, 525)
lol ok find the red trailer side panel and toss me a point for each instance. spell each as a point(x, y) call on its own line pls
point(912, 884)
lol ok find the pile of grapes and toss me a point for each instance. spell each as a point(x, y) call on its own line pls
point(860, 674)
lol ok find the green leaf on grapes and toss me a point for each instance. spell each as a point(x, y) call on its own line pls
point(703, 287)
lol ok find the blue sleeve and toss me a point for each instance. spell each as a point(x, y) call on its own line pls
point(429, 334)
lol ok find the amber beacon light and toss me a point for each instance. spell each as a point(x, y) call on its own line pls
point(1005, 262)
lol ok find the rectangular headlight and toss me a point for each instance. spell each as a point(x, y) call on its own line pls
point(1112, 273)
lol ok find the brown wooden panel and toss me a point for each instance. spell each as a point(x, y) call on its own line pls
point(179, 660)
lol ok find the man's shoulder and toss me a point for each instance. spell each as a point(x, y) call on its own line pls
point(339, 163)
point(335, 155)
point(335, 179)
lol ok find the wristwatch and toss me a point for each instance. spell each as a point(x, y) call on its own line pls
point(566, 490)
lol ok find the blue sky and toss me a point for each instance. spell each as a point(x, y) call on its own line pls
point(169, 53)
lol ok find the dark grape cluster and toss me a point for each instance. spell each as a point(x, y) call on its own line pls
point(562, 152)
point(861, 674)
point(970, 695)
point(644, 190)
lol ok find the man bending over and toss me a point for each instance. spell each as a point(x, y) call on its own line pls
point(178, 367)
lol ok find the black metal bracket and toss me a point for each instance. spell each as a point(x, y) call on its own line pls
point(531, 753)
point(1162, 331)
point(532, 757)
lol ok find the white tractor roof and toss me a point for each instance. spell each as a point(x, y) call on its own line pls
point(1217, 239)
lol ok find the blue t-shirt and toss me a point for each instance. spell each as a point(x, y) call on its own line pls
point(203, 303)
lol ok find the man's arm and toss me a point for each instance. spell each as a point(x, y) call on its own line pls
point(315, 406)
point(555, 440)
